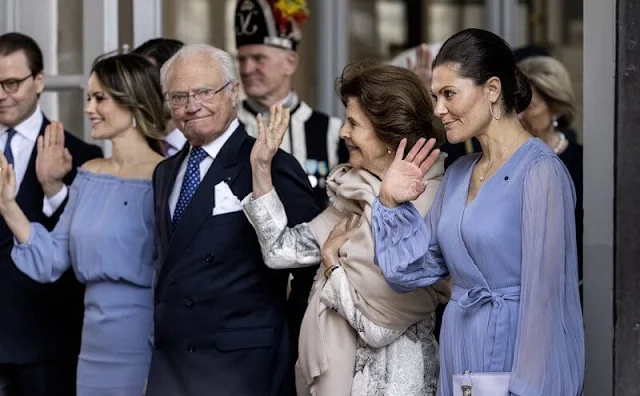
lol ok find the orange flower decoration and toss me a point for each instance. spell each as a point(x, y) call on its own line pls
point(286, 10)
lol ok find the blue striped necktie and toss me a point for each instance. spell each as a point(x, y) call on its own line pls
point(8, 153)
point(190, 183)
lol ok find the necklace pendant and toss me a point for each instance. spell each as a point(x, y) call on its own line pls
point(482, 178)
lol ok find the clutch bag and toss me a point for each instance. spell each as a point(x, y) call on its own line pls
point(481, 384)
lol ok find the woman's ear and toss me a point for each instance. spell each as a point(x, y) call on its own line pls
point(493, 88)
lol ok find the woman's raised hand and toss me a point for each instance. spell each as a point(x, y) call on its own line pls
point(404, 180)
point(269, 139)
point(54, 160)
point(7, 183)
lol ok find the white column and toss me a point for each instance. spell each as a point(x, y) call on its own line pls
point(501, 18)
point(147, 20)
point(42, 26)
point(333, 51)
point(100, 30)
point(324, 57)
point(341, 53)
point(7, 16)
point(599, 143)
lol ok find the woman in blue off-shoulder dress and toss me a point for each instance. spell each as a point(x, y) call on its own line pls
point(502, 226)
point(106, 231)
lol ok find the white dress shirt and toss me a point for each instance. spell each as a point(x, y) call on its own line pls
point(176, 141)
point(212, 148)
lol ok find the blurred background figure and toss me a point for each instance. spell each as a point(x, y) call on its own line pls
point(529, 51)
point(267, 35)
point(550, 117)
point(158, 51)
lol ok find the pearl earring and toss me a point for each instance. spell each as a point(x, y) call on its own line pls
point(134, 122)
point(388, 151)
point(554, 121)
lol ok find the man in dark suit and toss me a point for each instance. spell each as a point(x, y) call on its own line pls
point(220, 317)
point(41, 324)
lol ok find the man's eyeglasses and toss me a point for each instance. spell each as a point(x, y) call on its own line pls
point(202, 95)
point(12, 85)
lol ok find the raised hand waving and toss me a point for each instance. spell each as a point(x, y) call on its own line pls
point(270, 138)
point(404, 180)
point(54, 160)
point(7, 183)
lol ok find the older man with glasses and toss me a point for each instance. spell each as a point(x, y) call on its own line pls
point(40, 330)
point(220, 314)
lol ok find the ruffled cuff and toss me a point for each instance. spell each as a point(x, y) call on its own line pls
point(398, 224)
point(39, 258)
point(401, 241)
point(34, 229)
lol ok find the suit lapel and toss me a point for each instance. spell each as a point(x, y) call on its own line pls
point(224, 168)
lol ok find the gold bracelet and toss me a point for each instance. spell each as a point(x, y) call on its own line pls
point(329, 271)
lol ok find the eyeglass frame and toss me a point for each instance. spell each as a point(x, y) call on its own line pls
point(17, 81)
point(193, 95)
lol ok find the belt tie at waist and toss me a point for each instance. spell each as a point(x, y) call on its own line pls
point(498, 327)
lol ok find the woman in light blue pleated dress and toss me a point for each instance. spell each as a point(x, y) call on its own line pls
point(106, 230)
point(502, 226)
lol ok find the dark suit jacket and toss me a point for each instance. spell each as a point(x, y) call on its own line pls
point(40, 322)
point(220, 315)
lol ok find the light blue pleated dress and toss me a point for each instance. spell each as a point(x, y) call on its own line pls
point(106, 235)
point(511, 255)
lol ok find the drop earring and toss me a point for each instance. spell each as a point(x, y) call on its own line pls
point(491, 111)
point(134, 122)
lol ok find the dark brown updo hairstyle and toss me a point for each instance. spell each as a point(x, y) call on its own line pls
point(479, 55)
point(394, 99)
point(133, 82)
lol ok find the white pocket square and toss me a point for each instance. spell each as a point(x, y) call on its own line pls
point(226, 202)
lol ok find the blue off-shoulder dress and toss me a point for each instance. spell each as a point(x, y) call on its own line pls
point(106, 235)
point(511, 255)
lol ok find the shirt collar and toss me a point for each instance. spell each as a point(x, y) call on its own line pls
point(176, 139)
point(290, 102)
point(29, 128)
point(213, 148)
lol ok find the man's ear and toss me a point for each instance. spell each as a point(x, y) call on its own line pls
point(38, 79)
point(291, 63)
point(234, 92)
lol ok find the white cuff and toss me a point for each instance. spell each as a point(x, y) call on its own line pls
point(50, 205)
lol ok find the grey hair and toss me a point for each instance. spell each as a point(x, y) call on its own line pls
point(226, 61)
